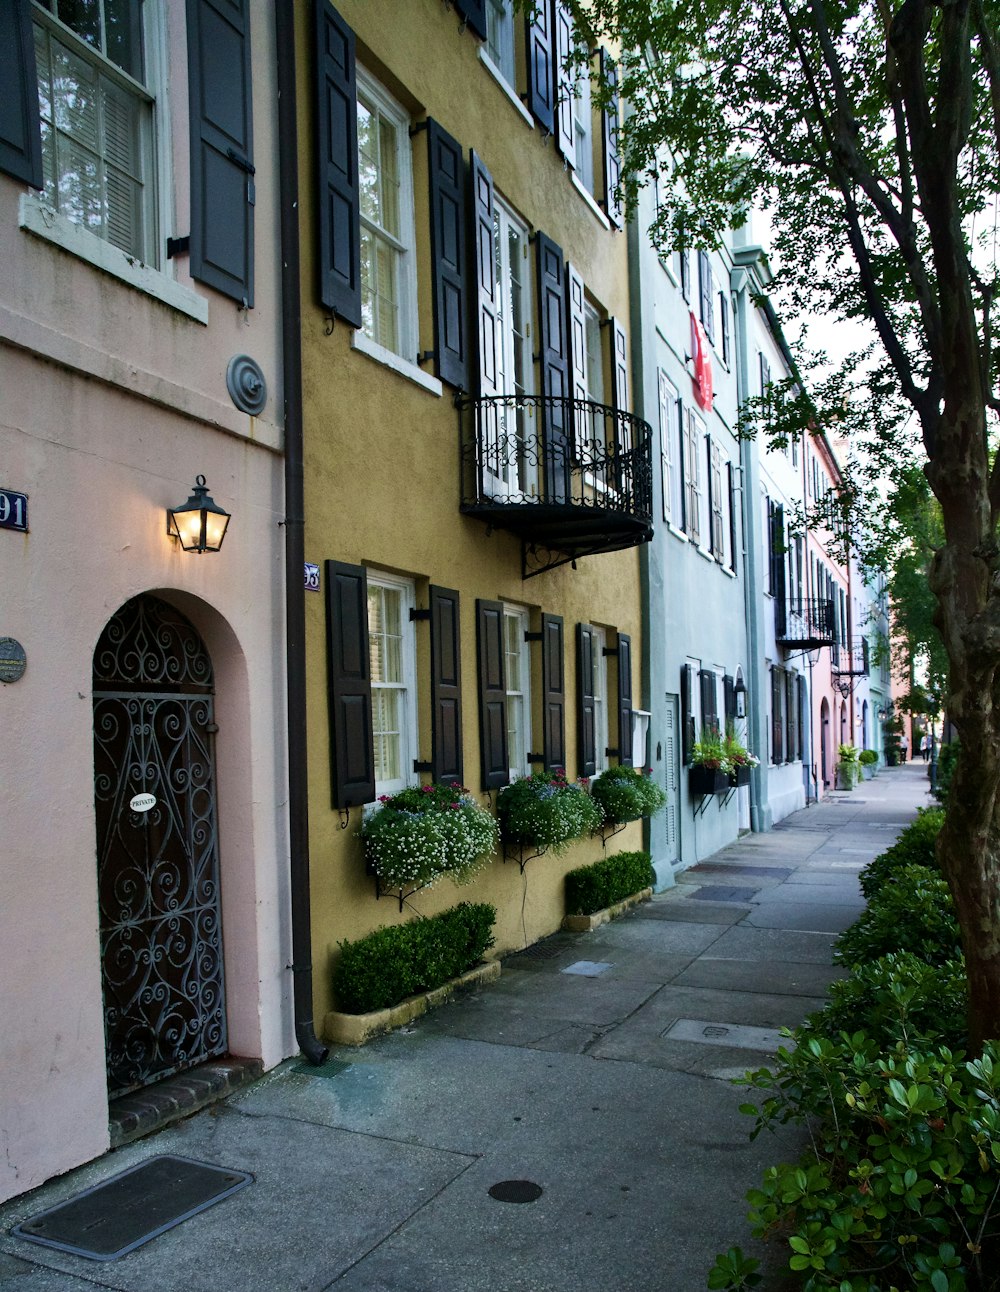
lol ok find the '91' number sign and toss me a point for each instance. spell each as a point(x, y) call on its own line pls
point(13, 510)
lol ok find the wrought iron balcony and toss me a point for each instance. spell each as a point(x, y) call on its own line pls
point(850, 663)
point(804, 623)
point(570, 477)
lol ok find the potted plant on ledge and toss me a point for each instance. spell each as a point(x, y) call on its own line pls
point(868, 760)
point(545, 810)
point(418, 836)
point(847, 767)
point(627, 794)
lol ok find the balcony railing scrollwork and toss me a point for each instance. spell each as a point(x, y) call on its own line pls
point(850, 664)
point(804, 623)
point(569, 476)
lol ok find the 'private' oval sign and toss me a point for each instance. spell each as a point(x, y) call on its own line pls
point(143, 802)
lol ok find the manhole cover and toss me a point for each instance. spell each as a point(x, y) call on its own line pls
point(128, 1210)
point(588, 968)
point(516, 1191)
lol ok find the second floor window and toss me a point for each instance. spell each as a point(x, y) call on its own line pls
point(500, 37)
point(97, 120)
point(515, 457)
point(386, 200)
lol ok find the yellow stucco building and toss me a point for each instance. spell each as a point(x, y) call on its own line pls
point(475, 486)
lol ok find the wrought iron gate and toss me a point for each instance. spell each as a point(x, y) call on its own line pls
point(157, 853)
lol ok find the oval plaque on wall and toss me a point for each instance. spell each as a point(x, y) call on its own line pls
point(12, 660)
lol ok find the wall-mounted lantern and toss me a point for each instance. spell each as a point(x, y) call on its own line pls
point(200, 524)
point(740, 696)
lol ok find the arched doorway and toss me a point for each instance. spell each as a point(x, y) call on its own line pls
point(157, 846)
point(824, 742)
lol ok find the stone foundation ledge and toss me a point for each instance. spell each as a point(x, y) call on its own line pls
point(587, 923)
point(356, 1029)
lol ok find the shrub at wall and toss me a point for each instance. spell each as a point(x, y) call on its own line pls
point(545, 810)
point(595, 887)
point(913, 847)
point(947, 757)
point(392, 963)
point(627, 794)
point(913, 913)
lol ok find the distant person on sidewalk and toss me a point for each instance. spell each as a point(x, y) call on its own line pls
point(904, 747)
point(925, 746)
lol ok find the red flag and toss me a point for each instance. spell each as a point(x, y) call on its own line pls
point(702, 366)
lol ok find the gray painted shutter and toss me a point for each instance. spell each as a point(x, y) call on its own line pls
point(586, 752)
point(554, 352)
point(352, 752)
point(222, 184)
point(724, 321)
point(485, 275)
point(446, 167)
point(541, 72)
point(565, 83)
point(688, 733)
point(339, 215)
point(732, 517)
point(474, 13)
point(712, 501)
point(619, 367)
point(493, 758)
point(624, 700)
point(682, 464)
point(706, 288)
point(553, 692)
point(446, 685)
point(20, 129)
point(685, 259)
point(609, 135)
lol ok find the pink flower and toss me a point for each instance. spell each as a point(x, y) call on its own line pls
point(383, 798)
point(427, 789)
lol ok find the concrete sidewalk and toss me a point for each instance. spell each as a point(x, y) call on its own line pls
point(597, 1067)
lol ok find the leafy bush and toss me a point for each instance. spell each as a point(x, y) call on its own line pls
point(898, 997)
point(900, 1185)
point(592, 888)
point(868, 756)
point(626, 794)
point(545, 810)
point(914, 913)
point(424, 833)
point(947, 757)
point(392, 963)
point(913, 847)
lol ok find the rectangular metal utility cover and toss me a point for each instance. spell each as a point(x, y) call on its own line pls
point(116, 1217)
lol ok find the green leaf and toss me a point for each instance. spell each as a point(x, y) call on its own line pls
point(939, 1281)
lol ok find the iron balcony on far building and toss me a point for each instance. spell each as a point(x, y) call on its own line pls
point(804, 623)
point(569, 476)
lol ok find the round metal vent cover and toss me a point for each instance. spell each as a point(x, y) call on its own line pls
point(246, 385)
point(516, 1191)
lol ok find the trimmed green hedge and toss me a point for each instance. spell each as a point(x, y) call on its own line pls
point(392, 963)
point(913, 913)
point(913, 847)
point(592, 888)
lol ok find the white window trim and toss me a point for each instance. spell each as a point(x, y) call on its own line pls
point(601, 732)
point(589, 199)
point(370, 88)
point(520, 615)
point(363, 343)
point(506, 86)
point(37, 218)
point(408, 650)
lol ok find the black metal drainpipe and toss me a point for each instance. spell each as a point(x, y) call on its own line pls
point(295, 617)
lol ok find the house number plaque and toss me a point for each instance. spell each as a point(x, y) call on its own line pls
point(12, 660)
point(13, 510)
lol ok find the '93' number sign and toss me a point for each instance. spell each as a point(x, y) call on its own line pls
point(13, 510)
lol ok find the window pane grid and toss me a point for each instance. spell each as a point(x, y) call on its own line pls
point(518, 701)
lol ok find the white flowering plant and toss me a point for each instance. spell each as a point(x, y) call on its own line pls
point(545, 810)
point(627, 794)
point(423, 834)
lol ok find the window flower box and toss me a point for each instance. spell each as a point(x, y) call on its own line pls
point(627, 794)
point(740, 775)
point(707, 780)
point(544, 810)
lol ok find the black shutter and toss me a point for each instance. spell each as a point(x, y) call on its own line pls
point(446, 685)
point(20, 129)
point(586, 741)
point(222, 184)
point(778, 566)
point(484, 275)
point(565, 83)
point(729, 699)
point(553, 692)
point(474, 13)
point(493, 758)
point(554, 355)
point(446, 167)
point(339, 222)
point(624, 700)
point(352, 753)
point(706, 288)
point(724, 322)
point(709, 713)
point(609, 123)
point(689, 735)
point(685, 259)
point(541, 66)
